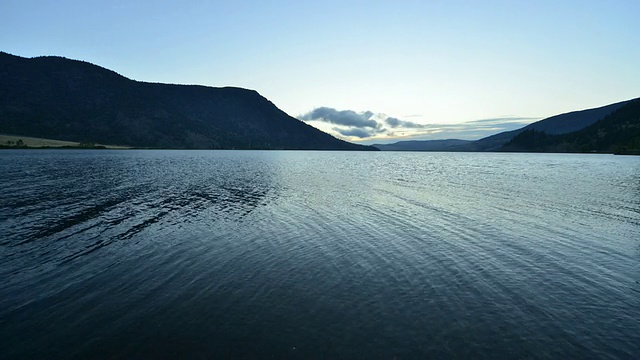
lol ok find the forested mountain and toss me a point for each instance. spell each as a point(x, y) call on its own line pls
point(554, 125)
point(58, 98)
point(618, 132)
point(557, 124)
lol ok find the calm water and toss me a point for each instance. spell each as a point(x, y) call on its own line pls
point(189, 254)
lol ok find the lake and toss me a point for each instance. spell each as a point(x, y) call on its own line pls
point(286, 254)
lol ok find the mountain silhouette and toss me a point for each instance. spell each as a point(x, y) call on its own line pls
point(58, 98)
point(423, 145)
point(618, 132)
point(555, 125)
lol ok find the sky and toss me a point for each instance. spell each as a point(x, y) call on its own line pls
point(366, 71)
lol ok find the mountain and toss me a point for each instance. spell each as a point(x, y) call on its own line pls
point(617, 132)
point(423, 145)
point(554, 125)
point(557, 124)
point(63, 99)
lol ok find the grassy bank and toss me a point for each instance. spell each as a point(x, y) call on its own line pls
point(15, 141)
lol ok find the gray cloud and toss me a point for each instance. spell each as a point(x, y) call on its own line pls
point(361, 133)
point(350, 118)
point(365, 125)
point(355, 132)
point(361, 125)
point(341, 117)
point(395, 122)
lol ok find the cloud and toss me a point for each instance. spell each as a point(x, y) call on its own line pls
point(395, 122)
point(470, 130)
point(341, 117)
point(504, 120)
point(354, 120)
point(370, 127)
point(363, 125)
point(355, 132)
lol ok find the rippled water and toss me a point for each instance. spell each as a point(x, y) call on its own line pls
point(190, 254)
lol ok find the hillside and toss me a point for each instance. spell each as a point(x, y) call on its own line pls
point(423, 145)
point(69, 100)
point(555, 125)
point(618, 132)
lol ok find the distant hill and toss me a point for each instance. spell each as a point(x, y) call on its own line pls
point(618, 132)
point(557, 124)
point(62, 99)
point(554, 125)
point(423, 145)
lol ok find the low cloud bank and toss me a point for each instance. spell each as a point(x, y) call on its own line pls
point(341, 117)
point(370, 126)
point(360, 125)
point(395, 123)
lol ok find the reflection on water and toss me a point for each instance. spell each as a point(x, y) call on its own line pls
point(70, 204)
point(249, 254)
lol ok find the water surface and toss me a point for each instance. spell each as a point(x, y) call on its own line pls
point(250, 254)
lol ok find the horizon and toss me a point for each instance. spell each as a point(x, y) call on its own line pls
point(409, 71)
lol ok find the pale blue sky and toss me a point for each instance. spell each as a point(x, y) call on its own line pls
point(428, 62)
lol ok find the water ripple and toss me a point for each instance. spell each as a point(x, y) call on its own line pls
point(318, 255)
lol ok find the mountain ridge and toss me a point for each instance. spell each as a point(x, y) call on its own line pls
point(564, 123)
point(423, 145)
point(618, 132)
point(73, 100)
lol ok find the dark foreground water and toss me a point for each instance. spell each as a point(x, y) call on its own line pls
point(225, 254)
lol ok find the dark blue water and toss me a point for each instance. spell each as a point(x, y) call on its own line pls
point(225, 254)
